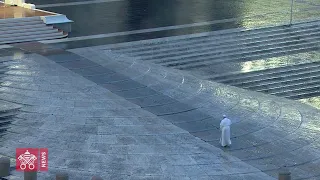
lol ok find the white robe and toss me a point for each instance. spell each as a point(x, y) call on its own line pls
point(225, 132)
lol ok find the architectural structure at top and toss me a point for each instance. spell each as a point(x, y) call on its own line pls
point(22, 22)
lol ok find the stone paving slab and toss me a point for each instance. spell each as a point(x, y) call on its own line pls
point(264, 124)
point(40, 124)
point(76, 117)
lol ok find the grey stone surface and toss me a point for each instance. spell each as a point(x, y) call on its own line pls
point(189, 117)
point(92, 71)
point(92, 130)
point(106, 78)
point(265, 129)
point(137, 93)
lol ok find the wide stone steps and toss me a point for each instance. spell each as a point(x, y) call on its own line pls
point(297, 88)
point(303, 92)
point(27, 29)
point(46, 30)
point(7, 112)
point(10, 29)
point(279, 72)
point(281, 78)
point(205, 37)
point(167, 54)
point(295, 85)
point(20, 20)
point(35, 28)
point(247, 55)
point(225, 47)
point(306, 94)
point(225, 51)
point(231, 48)
point(258, 44)
point(235, 76)
point(20, 25)
point(280, 86)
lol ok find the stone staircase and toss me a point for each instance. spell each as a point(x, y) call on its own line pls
point(8, 109)
point(7, 113)
point(213, 55)
point(27, 29)
point(294, 82)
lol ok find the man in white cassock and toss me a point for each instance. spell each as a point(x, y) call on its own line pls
point(225, 131)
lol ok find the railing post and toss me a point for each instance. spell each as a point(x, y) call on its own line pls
point(62, 176)
point(30, 175)
point(284, 174)
point(4, 167)
point(291, 12)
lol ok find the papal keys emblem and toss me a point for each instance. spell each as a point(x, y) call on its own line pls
point(32, 159)
point(27, 159)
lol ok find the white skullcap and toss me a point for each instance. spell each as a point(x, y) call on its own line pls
point(224, 116)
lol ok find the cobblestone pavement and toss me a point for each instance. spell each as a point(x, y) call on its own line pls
point(102, 113)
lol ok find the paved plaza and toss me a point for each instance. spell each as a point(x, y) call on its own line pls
point(136, 92)
point(103, 113)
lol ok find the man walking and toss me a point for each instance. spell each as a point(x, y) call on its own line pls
point(225, 131)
